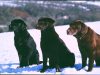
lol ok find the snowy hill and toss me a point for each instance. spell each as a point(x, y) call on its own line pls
point(13, 3)
point(9, 58)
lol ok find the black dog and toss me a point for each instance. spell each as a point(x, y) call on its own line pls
point(53, 47)
point(24, 43)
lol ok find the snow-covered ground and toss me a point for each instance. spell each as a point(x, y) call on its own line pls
point(9, 58)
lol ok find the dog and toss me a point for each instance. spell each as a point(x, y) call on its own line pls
point(24, 43)
point(53, 48)
point(88, 42)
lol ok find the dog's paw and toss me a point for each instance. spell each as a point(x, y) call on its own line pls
point(58, 70)
point(19, 67)
point(43, 70)
point(89, 70)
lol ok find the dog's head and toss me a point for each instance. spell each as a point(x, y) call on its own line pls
point(17, 25)
point(44, 23)
point(76, 27)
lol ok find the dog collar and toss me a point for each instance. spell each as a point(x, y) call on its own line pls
point(84, 33)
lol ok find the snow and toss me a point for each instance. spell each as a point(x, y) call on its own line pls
point(8, 3)
point(97, 3)
point(83, 7)
point(12, 4)
point(9, 58)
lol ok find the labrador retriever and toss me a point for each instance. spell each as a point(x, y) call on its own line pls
point(88, 42)
point(24, 43)
point(53, 47)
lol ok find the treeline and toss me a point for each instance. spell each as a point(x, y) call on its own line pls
point(62, 11)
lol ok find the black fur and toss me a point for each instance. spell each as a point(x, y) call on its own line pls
point(53, 47)
point(24, 43)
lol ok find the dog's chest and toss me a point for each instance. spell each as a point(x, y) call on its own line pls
point(49, 45)
point(84, 44)
point(48, 37)
point(20, 42)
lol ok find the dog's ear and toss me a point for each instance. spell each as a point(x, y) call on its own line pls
point(83, 27)
point(22, 25)
point(79, 22)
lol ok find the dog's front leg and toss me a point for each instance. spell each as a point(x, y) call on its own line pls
point(44, 63)
point(57, 63)
point(91, 61)
point(84, 59)
point(58, 68)
point(24, 61)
